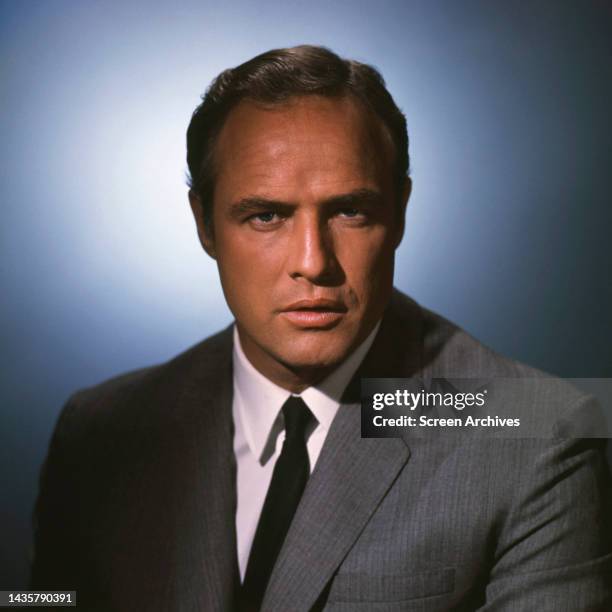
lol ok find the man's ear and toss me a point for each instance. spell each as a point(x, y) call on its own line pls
point(401, 210)
point(204, 232)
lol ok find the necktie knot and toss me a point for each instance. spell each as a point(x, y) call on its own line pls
point(297, 418)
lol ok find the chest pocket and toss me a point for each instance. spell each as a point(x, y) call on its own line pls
point(362, 587)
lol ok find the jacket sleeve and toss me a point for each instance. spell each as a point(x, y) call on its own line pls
point(555, 550)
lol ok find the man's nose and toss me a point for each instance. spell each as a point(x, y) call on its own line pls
point(311, 251)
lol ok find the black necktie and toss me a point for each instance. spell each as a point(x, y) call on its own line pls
point(288, 481)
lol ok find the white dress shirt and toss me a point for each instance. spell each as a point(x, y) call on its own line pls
point(259, 431)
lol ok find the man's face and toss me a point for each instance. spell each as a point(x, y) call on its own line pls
point(306, 222)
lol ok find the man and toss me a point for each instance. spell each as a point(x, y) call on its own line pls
point(235, 477)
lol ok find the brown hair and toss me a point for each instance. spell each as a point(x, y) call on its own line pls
point(272, 78)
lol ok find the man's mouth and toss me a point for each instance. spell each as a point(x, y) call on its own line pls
point(314, 313)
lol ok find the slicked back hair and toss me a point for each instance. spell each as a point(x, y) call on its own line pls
point(275, 77)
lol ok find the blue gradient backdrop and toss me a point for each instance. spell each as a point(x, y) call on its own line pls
point(508, 229)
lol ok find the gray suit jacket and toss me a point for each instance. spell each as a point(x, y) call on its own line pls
point(137, 500)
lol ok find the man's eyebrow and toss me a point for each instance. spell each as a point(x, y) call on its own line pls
point(353, 198)
point(255, 204)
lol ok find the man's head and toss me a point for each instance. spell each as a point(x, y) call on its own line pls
point(299, 164)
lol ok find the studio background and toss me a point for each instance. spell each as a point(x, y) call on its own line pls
point(508, 227)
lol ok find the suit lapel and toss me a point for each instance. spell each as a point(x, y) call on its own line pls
point(352, 475)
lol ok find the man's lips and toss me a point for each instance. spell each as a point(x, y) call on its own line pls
point(317, 313)
point(320, 304)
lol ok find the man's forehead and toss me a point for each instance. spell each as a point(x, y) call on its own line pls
point(339, 131)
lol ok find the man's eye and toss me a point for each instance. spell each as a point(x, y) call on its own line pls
point(264, 218)
point(351, 213)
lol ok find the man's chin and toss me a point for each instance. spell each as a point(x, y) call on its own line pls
point(317, 350)
point(299, 358)
point(314, 360)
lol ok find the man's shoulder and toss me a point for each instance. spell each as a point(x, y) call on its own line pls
point(453, 354)
point(202, 364)
point(459, 353)
point(448, 351)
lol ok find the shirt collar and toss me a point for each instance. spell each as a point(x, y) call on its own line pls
point(259, 400)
